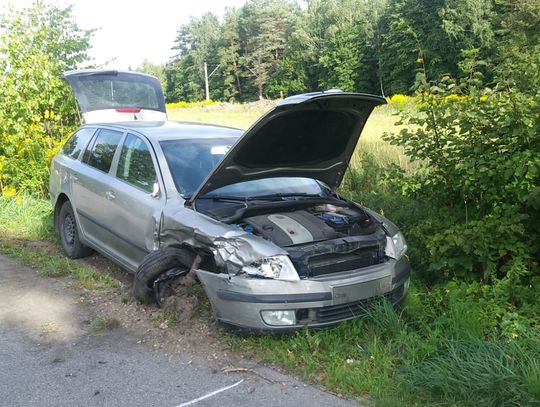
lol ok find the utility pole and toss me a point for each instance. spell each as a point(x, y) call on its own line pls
point(206, 77)
point(206, 81)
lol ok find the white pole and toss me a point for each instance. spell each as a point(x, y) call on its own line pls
point(206, 81)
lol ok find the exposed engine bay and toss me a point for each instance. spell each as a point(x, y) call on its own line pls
point(321, 236)
point(320, 223)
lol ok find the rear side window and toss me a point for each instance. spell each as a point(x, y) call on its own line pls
point(76, 143)
point(135, 165)
point(99, 154)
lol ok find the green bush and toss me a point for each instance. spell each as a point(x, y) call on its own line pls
point(37, 111)
point(479, 168)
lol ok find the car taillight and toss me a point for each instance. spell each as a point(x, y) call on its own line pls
point(128, 110)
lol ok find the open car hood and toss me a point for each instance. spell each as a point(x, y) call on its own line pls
point(106, 96)
point(312, 135)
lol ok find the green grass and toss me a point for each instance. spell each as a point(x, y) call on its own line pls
point(25, 220)
point(26, 217)
point(477, 372)
point(414, 356)
point(238, 115)
point(56, 265)
point(101, 324)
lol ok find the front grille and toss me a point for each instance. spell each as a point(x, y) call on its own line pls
point(340, 312)
point(335, 262)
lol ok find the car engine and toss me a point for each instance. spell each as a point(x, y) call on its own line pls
point(319, 223)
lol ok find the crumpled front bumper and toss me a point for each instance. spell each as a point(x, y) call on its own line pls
point(316, 302)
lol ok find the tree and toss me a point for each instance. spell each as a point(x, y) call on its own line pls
point(196, 42)
point(414, 38)
point(229, 57)
point(336, 40)
point(157, 70)
point(37, 110)
point(265, 26)
point(517, 52)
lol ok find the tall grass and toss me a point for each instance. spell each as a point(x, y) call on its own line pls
point(477, 372)
point(25, 216)
point(414, 355)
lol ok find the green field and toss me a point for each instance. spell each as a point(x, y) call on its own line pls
point(242, 116)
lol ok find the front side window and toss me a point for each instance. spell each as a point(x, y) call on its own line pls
point(76, 143)
point(135, 165)
point(100, 153)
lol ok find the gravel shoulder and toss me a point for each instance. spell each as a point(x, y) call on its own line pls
point(62, 345)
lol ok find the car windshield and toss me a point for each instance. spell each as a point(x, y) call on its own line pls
point(191, 160)
point(269, 186)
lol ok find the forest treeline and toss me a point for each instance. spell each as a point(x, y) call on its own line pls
point(274, 48)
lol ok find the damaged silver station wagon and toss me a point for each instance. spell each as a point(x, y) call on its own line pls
point(255, 214)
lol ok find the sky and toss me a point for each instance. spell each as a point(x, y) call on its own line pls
point(131, 31)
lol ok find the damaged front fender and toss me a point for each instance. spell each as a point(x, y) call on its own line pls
point(232, 247)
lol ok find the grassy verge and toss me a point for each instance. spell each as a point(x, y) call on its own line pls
point(418, 355)
point(239, 116)
point(26, 232)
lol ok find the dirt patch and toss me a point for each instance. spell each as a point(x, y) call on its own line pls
point(42, 246)
point(184, 325)
point(104, 265)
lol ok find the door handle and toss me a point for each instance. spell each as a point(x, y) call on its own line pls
point(110, 195)
point(74, 177)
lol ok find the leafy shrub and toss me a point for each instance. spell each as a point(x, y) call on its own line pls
point(37, 111)
point(478, 166)
point(400, 101)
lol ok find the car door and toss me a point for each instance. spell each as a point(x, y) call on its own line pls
point(91, 188)
point(135, 201)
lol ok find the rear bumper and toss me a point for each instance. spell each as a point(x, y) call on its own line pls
point(240, 301)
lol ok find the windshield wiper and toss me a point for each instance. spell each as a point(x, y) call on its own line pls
point(268, 197)
point(222, 198)
point(280, 196)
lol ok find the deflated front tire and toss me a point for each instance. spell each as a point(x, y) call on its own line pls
point(154, 265)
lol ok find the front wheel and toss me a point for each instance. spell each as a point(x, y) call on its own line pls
point(171, 260)
point(69, 234)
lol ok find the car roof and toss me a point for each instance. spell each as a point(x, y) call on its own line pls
point(173, 130)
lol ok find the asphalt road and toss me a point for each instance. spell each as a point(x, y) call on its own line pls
point(50, 357)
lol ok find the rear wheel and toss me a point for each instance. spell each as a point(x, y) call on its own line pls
point(69, 234)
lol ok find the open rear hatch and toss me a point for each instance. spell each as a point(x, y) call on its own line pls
point(106, 96)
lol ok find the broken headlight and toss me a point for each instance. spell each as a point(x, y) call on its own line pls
point(396, 246)
point(276, 267)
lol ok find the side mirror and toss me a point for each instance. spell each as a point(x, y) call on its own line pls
point(155, 190)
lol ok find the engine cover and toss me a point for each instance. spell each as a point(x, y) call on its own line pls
point(291, 228)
